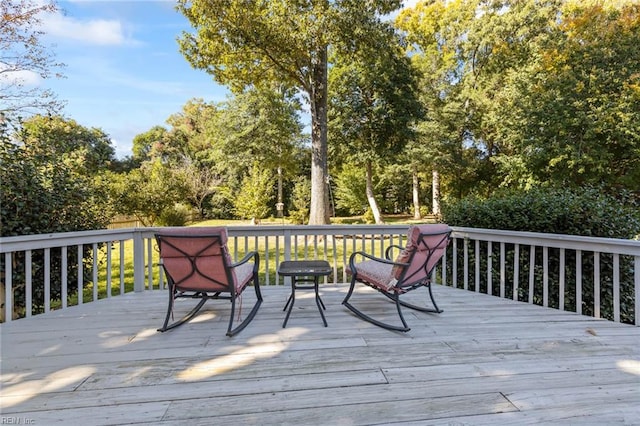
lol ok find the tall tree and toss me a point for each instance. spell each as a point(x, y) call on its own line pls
point(286, 42)
point(260, 124)
point(572, 116)
point(252, 202)
point(467, 50)
point(62, 138)
point(148, 144)
point(24, 59)
point(373, 105)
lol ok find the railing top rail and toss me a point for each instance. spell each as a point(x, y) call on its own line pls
point(40, 241)
point(575, 242)
point(612, 245)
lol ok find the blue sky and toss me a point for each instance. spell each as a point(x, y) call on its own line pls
point(124, 72)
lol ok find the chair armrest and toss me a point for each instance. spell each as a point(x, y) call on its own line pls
point(250, 255)
point(352, 262)
point(387, 252)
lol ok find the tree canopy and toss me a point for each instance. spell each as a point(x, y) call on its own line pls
point(283, 42)
point(24, 59)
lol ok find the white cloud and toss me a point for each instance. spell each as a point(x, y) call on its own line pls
point(95, 31)
point(18, 78)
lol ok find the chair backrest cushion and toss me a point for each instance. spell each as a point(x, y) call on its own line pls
point(425, 247)
point(197, 258)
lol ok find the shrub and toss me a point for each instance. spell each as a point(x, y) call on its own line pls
point(178, 215)
point(586, 212)
point(301, 200)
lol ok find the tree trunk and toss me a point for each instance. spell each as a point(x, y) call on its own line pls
point(319, 209)
point(416, 195)
point(370, 197)
point(436, 192)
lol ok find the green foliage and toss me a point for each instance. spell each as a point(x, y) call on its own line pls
point(256, 194)
point(48, 179)
point(178, 215)
point(368, 216)
point(147, 192)
point(572, 115)
point(258, 44)
point(527, 93)
point(588, 212)
point(350, 192)
point(300, 200)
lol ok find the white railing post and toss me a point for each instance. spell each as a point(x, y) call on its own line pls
point(138, 261)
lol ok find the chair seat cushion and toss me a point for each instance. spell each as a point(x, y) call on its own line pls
point(244, 273)
point(377, 274)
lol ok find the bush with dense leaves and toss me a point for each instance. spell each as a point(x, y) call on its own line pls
point(586, 211)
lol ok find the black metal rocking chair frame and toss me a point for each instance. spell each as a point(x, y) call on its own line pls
point(403, 285)
point(175, 291)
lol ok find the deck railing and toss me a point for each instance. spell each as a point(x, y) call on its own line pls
point(592, 276)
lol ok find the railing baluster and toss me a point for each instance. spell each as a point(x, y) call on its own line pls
point(443, 268)
point(616, 287)
point(454, 266)
point(489, 268)
point(63, 276)
point(28, 283)
point(266, 258)
point(562, 285)
point(80, 276)
point(138, 262)
point(636, 286)
point(516, 271)
point(122, 263)
point(503, 262)
point(95, 271)
point(109, 247)
point(532, 267)
point(545, 276)
point(277, 259)
point(477, 268)
point(149, 253)
point(345, 258)
point(8, 287)
point(596, 284)
point(47, 280)
point(335, 259)
point(465, 267)
point(579, 281)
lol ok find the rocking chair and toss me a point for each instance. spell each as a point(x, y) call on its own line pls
point(198, 266)
point(412, 269)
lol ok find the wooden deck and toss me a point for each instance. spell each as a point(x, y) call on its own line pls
point(483, 361)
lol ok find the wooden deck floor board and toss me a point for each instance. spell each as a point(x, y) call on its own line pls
point(483, 361)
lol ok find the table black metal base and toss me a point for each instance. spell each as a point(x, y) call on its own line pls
point(307, 273)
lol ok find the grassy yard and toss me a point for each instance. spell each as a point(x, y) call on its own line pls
point(120, 256)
